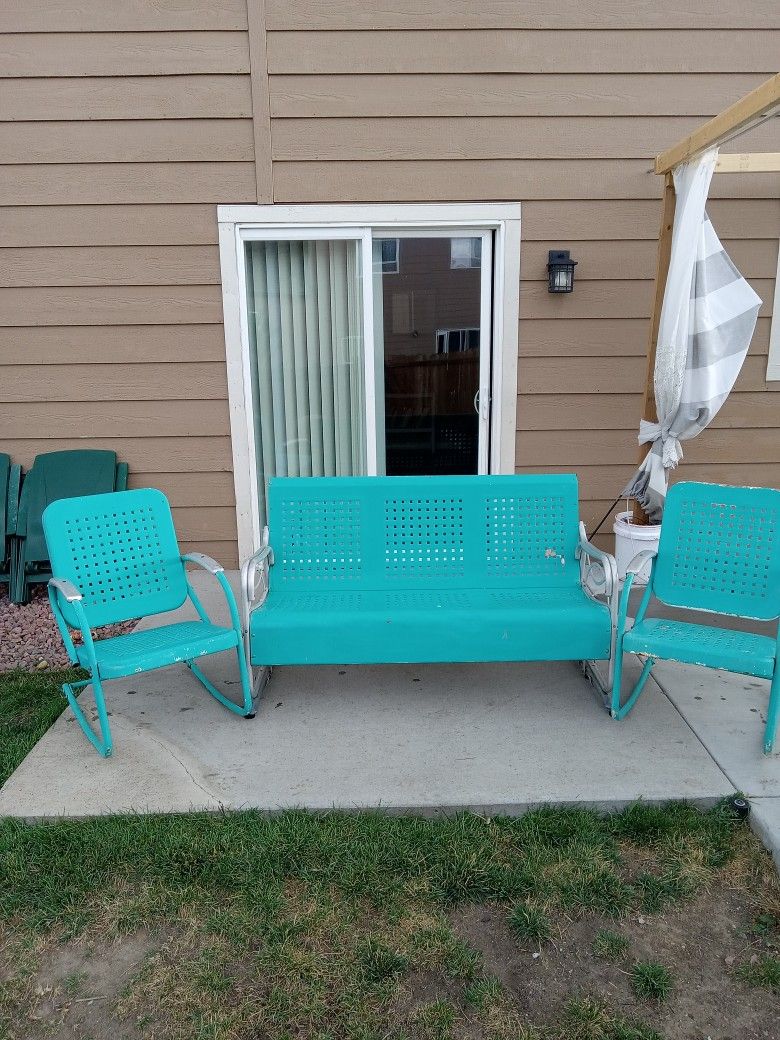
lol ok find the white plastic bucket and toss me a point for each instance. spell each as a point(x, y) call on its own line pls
point(631, 539)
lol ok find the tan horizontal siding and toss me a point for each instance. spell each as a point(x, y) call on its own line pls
point(210, 487)
point(614, 298)
point(127, 182)
point(531, 14)
point(600, 375)
point(522, 51)
point(110, 265)
point(496, 94)
point(496, 137)
point(603, 337)
point(110, 344)
point(143, 140)
point(613, 260)
point(50, 416)
point(145, 452)
point(163, 224)
point(189, 381)
point(127, 97)
point(61, 16)
point(571, 448)
point(196, 265)
point(425, 180)
point(621, 410)
point(122, 53)
point(122, 126)
point(614, 219)
point(111, 305)
point(195, 224)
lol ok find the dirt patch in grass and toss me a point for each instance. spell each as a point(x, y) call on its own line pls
point(700, 944)
point(77, 988)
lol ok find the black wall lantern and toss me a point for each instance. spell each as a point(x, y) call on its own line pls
point(560, 271)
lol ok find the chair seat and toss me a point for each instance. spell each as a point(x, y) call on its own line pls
point(741, 652)
point(157, 647)
point(428, 625)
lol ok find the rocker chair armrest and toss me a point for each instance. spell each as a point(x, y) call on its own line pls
point(66, 589)
point(640, 560)
point(69, 592)
point(206, 562)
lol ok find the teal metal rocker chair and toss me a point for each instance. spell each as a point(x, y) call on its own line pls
point(10, 474)
point(719, 552)
point(54, 475)
point(115, 557)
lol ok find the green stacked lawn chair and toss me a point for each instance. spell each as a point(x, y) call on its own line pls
point(115, 557)
point(55, 475)
point(10, 474)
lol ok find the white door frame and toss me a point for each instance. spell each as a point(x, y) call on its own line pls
point(238, 224)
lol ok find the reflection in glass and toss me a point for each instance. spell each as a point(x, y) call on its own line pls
point(427, 326)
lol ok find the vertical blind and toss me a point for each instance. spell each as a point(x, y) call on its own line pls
point(305, 319)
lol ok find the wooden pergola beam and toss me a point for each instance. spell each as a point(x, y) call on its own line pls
point(748, 162)
point(750, 110)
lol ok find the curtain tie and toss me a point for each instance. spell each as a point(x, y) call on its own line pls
point(669, 447)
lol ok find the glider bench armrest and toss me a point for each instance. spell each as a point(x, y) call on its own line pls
point(206, 562)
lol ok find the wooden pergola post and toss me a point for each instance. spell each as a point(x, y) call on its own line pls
point(746, 113)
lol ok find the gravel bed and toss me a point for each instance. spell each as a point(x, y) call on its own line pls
point(29, 637)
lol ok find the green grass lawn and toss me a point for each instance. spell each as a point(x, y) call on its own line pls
point(29, 704)
point(560, 925)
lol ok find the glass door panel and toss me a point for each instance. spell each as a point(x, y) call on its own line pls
point(304, 308)
point(432, 320)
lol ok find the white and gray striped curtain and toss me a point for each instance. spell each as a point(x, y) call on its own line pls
point(707, 320)
point(305, 319)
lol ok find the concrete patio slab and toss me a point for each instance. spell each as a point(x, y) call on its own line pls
point(495, 738)
point(728, 714)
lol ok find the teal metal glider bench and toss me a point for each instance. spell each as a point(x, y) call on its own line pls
point(369, 570)
point(719, 552)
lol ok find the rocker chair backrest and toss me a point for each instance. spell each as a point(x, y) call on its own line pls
point(720, 550)
point(120, 551)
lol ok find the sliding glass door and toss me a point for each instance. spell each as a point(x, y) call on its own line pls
point(432, 331)
point(368, 351)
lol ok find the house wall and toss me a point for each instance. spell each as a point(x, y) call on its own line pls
point(124, 122)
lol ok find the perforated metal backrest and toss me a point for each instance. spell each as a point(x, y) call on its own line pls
point(120, 551)
point(720, 550)
point(417, 532)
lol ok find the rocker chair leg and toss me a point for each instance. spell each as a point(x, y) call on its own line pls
point(773, 712)
point(103, 744)
point(619, 711)
point(247, 707)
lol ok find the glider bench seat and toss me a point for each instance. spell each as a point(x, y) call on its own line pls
point(382, 570)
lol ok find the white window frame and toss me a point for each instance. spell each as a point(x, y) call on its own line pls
point(237, 224)
point(773, 361)
point(392, 270)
